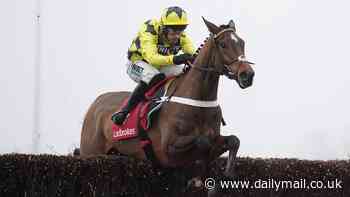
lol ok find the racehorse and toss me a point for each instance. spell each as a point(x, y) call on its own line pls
point(187, 129)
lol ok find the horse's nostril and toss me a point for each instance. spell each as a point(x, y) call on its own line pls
point(244, 76)
point(246, 79)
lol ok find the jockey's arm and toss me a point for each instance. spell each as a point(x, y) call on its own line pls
point(150, 52)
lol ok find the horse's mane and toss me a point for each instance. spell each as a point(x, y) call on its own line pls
point(200, 47)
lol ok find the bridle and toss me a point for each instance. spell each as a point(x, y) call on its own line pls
point(225, 69)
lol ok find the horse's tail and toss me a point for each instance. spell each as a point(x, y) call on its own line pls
point(76, 152)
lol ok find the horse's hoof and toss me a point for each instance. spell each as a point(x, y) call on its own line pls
point(195, 184)
point(76, 152)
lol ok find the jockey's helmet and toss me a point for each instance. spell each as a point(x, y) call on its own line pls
point(174, 18)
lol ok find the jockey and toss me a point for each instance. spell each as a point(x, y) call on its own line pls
point(154, 55)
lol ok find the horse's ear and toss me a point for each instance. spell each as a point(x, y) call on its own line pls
point(232, 25)
point(211, 27)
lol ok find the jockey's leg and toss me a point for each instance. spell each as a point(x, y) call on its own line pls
point(136, 96)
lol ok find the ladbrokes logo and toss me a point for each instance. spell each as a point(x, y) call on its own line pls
point(124, 132)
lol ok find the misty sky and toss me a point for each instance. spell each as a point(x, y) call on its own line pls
point(298, 106)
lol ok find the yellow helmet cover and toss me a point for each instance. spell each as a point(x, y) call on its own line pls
point(174, 16)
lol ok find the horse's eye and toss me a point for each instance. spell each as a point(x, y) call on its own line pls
point(222, 45)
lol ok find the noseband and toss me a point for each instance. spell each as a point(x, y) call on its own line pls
point(225, 71)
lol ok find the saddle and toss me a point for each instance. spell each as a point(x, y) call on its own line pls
point(141, 117)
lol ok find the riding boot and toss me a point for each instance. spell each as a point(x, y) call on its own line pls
point(136, 96)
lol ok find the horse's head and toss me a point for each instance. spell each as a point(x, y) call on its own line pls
point(229, 48)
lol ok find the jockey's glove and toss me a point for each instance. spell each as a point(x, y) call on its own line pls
point(182, 58)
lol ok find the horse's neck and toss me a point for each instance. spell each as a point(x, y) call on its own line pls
point(200, 85)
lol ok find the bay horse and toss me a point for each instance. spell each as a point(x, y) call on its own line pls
point(187, 131)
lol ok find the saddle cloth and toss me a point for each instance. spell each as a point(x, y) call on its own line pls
point(143, 112)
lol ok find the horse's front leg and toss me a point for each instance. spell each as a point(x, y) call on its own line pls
point(222, 144)
point(190, 150)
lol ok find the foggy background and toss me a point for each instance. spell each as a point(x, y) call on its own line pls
point(298, 105)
